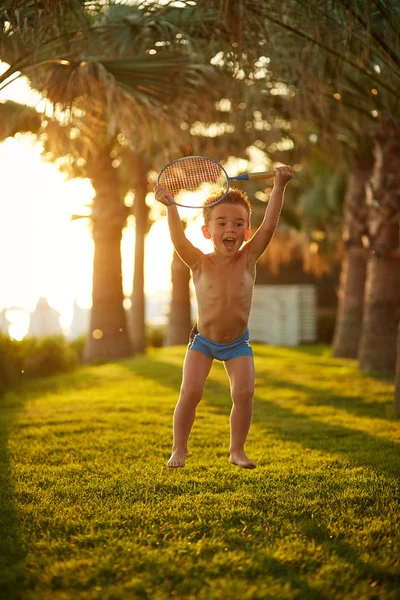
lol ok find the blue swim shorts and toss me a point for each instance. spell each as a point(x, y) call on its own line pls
point(239, 347)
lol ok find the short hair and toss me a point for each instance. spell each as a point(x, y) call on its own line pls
point(234, 196)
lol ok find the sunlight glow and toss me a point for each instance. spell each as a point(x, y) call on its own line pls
point(47, 254)
point(212, 130)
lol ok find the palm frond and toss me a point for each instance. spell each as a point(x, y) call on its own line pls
point(148, 80)
point(350, 33)
point(18, 118)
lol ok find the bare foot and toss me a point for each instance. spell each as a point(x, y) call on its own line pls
point(241, 460)
point(177, 459)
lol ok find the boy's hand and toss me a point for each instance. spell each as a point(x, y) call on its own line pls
point(162, 195)
point(283, 175)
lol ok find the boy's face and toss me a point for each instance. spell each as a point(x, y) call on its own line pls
point(228, 228)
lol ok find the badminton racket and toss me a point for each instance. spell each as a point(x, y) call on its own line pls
point(189, 181)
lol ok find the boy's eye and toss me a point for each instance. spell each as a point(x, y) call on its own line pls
point(221, 224)
point(239, 224)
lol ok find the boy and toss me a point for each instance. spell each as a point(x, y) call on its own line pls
point(223, 282)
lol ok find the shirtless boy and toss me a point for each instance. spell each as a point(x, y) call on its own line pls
point(223, 281)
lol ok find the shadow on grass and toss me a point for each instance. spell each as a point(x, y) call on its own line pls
point(321, 351)
point(80, 379)
point(11, 552)
point(310, 349)
point(358, 447)
point(321, 535)
point(354, 405)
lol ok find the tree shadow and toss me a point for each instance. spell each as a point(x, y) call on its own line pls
point(355, 405)
point(321, 351)
point(318, 532)
point(310, 349)
point(357, 447)
point(12, 579)
point(40, 386)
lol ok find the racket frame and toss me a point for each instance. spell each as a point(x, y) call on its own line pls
point(177, 160)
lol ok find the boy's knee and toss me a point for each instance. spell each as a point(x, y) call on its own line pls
point(192, 393)
point(242, 393)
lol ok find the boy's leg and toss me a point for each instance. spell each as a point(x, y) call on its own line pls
point(241, 376)
point(196, 368)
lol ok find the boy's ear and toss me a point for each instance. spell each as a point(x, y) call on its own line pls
point(205, 231)
point(247, 234)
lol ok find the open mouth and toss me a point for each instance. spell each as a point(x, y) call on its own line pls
point(229, 243)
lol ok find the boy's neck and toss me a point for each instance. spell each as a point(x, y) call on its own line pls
point(221, 259)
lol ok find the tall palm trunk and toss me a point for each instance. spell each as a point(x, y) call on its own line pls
point(179, 318)
point(381, 315)
point(397, 383)
point(382, 298)
point(137, 315)
point(108, 334)
point(352, 278)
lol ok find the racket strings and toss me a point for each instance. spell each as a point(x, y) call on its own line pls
point(189, 174)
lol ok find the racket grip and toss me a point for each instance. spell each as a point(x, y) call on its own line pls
point(262, 175)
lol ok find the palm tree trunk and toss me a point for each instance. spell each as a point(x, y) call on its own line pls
point(382, 297)
point(381, 315)
point(179, 318)
point(108, 335)
point(397, 382)
point(352, 278)
point(351, 300)
point(137, 316)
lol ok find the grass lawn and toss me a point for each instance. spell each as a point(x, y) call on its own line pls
point(89, 510)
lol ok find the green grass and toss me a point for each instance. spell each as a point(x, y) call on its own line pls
point(89, 511)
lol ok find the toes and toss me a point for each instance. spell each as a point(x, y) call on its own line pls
point(175, 463)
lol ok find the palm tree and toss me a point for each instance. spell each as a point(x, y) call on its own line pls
point(397, 381)
point(132, 87)
point(179, 316)
point(346, 340)
point(351, 51)
point(107, 92)
point(382, 303)
point(138, 168)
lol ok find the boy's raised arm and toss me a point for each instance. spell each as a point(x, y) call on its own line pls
point(188, 253)
point(262, 237)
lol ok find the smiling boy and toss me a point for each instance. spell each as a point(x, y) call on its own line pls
point(223, 281)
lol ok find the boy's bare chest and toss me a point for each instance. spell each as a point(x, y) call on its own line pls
point(217, 280)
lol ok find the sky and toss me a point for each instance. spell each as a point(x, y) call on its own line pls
point(43, 252)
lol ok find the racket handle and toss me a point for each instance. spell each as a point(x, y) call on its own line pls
point(260, 175)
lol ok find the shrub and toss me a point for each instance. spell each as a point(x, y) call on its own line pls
point(36, 357)
point(11, 361)
point(156, 335)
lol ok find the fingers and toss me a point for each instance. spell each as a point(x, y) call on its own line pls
point(284, 174)
point(162, 195)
